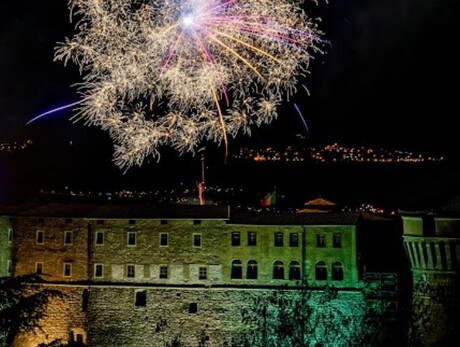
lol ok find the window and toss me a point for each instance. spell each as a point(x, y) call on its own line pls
point(196, 240)
point(67, 269)
point(10, 235)
point(39, 268)
point(321, 271)
point(68, 221)
point(193, 307)
point(294, 270)
point(251, 273)
point(99, 238)
point(131, 222)
point(236, 238)
point(41, 220)
point(337, 271)
point(278, 239)
point(337, 241)
point(130, 271)
point(163, 222)
point(252, 238)
point(164, 240)
point(85, 300)
point(278, 270)
point(196, 222)
point(40, 238)
point(99, 222)
point(294, 240)
point(203, 274)
point(163, 272)
point(320, 240)
point(141, 298)
point(131, 238)
point(9, 267)
point(98, 270)
point(68, 237)
point(237, 270)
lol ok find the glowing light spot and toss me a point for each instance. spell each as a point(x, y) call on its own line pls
point(187, 21)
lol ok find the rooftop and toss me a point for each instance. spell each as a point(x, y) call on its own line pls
point(286, 218)
point(144, 210)
point(118, 210)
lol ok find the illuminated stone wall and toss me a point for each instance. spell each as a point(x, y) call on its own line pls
point(53, 253)
point(5, 246)
point(115, 321)
point(113, 317)
point(183, 259)
point(434, 254)
point(346, 254)
point(65, 318)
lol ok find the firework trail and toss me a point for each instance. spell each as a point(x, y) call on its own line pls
point(303, 119)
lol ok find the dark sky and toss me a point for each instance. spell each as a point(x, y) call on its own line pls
point(389, 78)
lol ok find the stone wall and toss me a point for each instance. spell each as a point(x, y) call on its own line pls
point(435, 307)
point(64, 317)
point(216, 252)
point(345, 254)
point(53, 253)
point(6, 246)
point(116, 321)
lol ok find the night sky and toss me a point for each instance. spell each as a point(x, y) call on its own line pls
point(389, 79)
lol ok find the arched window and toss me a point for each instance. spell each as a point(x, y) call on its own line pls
point(278, 270)
point(337, 271)
point(321, 271)
point(294, 270)
point(237, 270)
point(251, 273)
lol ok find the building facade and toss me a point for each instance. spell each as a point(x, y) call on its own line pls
point(432, 244)
point(128, 271)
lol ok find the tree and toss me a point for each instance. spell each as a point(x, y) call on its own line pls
point(306, 316)
point(22, 306)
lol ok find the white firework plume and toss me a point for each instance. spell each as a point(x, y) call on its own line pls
point(177, 72)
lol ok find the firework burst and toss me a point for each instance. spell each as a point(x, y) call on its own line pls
point(177, 72)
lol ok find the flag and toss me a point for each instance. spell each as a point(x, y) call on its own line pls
point(269, 199)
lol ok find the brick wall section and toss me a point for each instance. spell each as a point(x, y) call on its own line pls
point(115, 321)
point(5, 246)
point(63, 316)
point(53, 252)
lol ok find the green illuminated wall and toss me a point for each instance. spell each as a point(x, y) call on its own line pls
point(5, 246)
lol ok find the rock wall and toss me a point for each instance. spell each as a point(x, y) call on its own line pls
point(114, 320)
point(65, 317)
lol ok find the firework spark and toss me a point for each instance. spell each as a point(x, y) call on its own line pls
point(177, 72)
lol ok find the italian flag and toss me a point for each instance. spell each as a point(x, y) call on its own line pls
point(269, 199)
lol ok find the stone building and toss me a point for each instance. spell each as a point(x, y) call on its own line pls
point(432, 243)
point(126, 267)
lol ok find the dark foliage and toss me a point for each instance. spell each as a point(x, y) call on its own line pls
point(22, 305)
point(311, 317)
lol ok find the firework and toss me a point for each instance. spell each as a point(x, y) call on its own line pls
point(178, 72)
